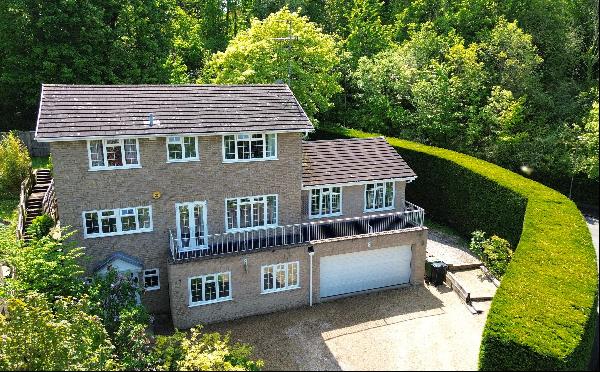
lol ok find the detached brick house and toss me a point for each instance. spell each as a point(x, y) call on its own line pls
point(210, 196)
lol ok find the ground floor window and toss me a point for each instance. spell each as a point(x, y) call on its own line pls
point(151, 280)
point(280, 277)
point(210, 288)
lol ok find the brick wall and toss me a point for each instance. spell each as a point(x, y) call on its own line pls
point(353, 202)
point(246, 279)
point(209, 179)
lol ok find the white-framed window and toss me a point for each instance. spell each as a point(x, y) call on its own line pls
point(280, 277)
point(182, 148)
point(248, 147)
point(113, 153)
point(325, 202)
point(117, 221)
point(251, 212)
point(151, 279)
point(379, 196)
point(211, 288)
point(191, 223)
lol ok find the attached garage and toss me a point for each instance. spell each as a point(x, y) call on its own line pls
point(361, 271)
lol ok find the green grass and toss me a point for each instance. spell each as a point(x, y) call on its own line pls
point(8, 207)
point(38, 162)
point(543, 315)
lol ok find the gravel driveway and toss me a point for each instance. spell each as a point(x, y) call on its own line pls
point(412, 328)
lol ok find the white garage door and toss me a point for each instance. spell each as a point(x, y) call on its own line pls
point(353, 272)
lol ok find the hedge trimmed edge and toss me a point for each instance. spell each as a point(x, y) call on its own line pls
point(543, 316)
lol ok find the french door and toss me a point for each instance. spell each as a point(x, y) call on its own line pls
point(191, 225)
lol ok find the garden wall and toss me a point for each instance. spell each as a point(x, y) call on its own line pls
point(543, 316)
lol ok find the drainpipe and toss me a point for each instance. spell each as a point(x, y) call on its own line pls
point(311, 252)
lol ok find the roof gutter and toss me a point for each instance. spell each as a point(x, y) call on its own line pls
point(358, 183)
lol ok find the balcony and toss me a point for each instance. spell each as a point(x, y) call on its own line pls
point(287, 235)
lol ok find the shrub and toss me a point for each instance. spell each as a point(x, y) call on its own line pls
point(213, 352)
point(15, 163)
point(40, 226)
point(543, 315)
point(495, 252)
point(48, 266)
point(39, 336)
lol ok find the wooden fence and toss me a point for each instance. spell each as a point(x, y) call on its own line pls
point(26, 187)
point(35, 148)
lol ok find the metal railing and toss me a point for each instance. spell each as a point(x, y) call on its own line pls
point(251, 240)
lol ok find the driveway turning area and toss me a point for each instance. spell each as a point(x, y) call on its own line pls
point(411, 328)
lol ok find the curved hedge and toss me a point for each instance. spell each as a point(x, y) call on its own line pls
point(543, 316)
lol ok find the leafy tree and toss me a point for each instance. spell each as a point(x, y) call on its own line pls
point(15, 163)
point(255, 56)
point(367, 35)
point(36, 335)
point(213, 352)
point(48, 266)
point(586, 150)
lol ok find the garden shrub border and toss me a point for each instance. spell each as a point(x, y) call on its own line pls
point(543, 316)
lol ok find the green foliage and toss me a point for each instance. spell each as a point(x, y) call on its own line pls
point(367, 36)
point(15, 163)
point(40, 226)
point(38, 162)
point(254, 56)
point(586, 151)
point(213, 352)
point(543, 316)
point(37, 335)
point(495, 252)
point(167, 351)
point(48, 266)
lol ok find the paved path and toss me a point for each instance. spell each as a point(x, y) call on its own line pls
point(451, 249)
point(412, 328)
point(593, 226)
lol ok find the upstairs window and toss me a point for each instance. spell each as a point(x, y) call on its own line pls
point(248, 147)
point(326, 202)
point(182, 148)
point(251, 212)
point(113, 153)
point(117, 221)
point(379, 196)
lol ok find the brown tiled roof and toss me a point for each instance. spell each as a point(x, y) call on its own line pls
point(80, 111)
point(351, 160)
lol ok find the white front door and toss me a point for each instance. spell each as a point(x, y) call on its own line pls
point(361, 271)
point(191, 225)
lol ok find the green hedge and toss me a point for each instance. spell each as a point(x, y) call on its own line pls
point(543, 316)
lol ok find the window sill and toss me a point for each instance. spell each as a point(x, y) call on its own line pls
point(247, 160)
point(92, 236)
point(247, 229)
point(183, 160)
point(379, 209)
point(151, 289)
point(317, 216)
point(113, 168)
point(195, 304)
point(279, 290)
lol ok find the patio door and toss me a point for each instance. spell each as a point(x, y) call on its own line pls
point(191, 225)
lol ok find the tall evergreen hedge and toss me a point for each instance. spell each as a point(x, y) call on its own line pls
point(543, 316)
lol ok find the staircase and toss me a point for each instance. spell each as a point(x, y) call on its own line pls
point(34, 204)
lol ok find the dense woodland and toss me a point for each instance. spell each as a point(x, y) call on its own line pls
point(513, 81)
